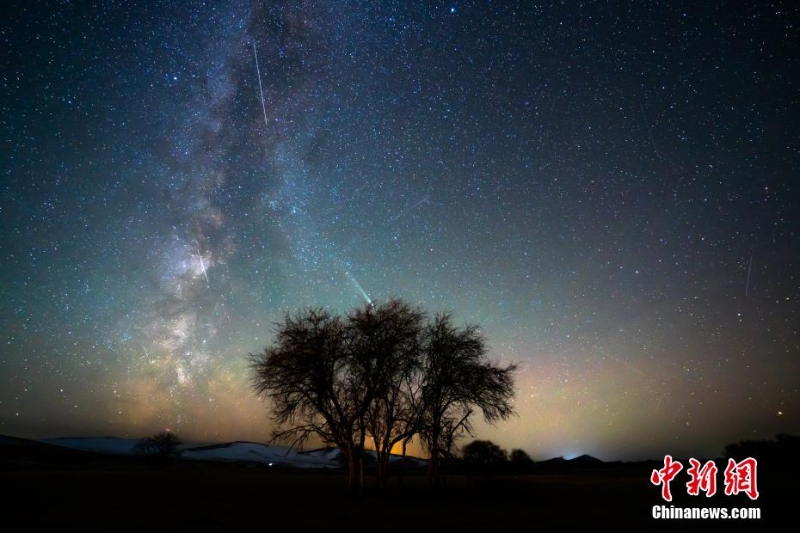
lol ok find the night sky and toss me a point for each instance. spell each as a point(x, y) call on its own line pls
point(609, 192)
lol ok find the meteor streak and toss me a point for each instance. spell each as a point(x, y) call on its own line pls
point(260, 87)
point(358, 287)
point(747, 283)
point(202, 263)
point(203, 267)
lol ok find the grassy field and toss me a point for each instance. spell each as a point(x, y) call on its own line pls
point(218, 497)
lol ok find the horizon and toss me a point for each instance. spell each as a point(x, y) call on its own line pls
point(413, 451)
point(608, 192)
point(194, 444)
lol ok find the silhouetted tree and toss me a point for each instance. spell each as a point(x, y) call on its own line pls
point(386, 341)
point(520, 461)
point(457, 379)
point(484, 453)
point(484, 458)
point(160, 448)
point(758, 449)
point(382, 373)
point(783, 451)
point(315, 386)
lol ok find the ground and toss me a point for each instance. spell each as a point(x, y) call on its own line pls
point(197, 496)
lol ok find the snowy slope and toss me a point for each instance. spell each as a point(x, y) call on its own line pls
point(231, 452)
point(255, 452)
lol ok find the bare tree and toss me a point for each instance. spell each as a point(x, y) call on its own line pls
point(382, 373)
point(159, 448)
point(314, 388)
point(458, 379)
point(388, 345)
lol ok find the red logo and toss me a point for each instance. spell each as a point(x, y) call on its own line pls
point(738, 477)
point(741, 477)
point(665, 476)
point(704, 478)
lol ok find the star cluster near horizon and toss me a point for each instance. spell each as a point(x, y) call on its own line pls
point(610, 193)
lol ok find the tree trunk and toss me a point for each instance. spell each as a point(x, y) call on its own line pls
point(362, 439)
point(355, 471)
point(383, 459)
point(433, 468)
point(402, 465)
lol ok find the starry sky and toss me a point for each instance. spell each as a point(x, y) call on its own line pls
point(609, 191)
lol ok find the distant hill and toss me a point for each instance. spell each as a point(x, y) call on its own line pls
point(107, 445)
point(582, 461)
point(19, 451)
point(93, 449)
point(586, 460)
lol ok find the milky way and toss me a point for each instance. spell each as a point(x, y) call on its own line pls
point(610, 193)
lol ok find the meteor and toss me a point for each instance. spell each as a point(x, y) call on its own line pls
point(358, 287)
point(260, 87)
point(203, 267)
point(747, 283)
point(202, 263)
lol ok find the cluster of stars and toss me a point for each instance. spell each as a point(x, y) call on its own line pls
point(606, 191)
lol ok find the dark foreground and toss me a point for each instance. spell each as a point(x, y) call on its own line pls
point(219, 497)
